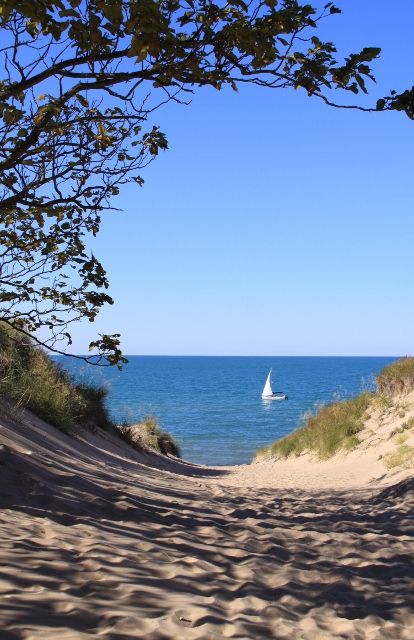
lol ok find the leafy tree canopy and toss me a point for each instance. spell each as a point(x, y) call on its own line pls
point(80, 82)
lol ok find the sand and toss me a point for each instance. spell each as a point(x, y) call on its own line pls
point(98, 541)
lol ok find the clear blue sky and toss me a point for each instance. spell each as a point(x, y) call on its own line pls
point(274, 225)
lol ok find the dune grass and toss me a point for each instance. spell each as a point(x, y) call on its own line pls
point(29, 378)
point(149, 434)
point(403, 456)
point(334, 427)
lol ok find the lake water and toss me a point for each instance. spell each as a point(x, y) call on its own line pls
point(212, 405)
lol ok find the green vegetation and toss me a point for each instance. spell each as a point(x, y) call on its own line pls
point(148, 434)
point(401, 438)
point(382, 403)
point(334, 427)
point(29, 378)
point(74, 127)
point(397, 377)
point(402, 457)
point(406, 426)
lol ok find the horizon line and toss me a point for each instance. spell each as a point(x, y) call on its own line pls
point(204, 355)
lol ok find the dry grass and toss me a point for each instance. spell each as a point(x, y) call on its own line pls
point(382, 403)
point(397, 377)
point(403, 456)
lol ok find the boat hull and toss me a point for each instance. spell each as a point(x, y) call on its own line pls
point(275, 397)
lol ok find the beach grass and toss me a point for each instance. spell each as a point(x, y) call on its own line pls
point(403, 456)
point(30, 378)
point(334, 427)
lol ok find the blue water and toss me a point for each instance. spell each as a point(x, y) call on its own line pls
point(212, 405)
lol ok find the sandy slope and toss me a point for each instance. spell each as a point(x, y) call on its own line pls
point(364, 466)
point(101, 542)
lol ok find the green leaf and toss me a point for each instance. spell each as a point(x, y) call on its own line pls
point(12, 115)
point(369, 53)
point(285, 42)
point(361, 83)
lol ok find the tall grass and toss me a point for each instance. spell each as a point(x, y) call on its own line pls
point(334, 427)
point(29, 378)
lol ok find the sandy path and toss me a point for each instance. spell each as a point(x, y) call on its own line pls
point(97, 543)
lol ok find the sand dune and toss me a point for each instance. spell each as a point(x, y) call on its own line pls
point(101, 542)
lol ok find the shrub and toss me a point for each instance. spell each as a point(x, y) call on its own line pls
point(334, 427)
point(148, 434)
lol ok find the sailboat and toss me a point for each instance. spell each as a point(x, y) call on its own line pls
point(268, 394)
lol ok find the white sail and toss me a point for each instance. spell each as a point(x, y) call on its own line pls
point(267, 389)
